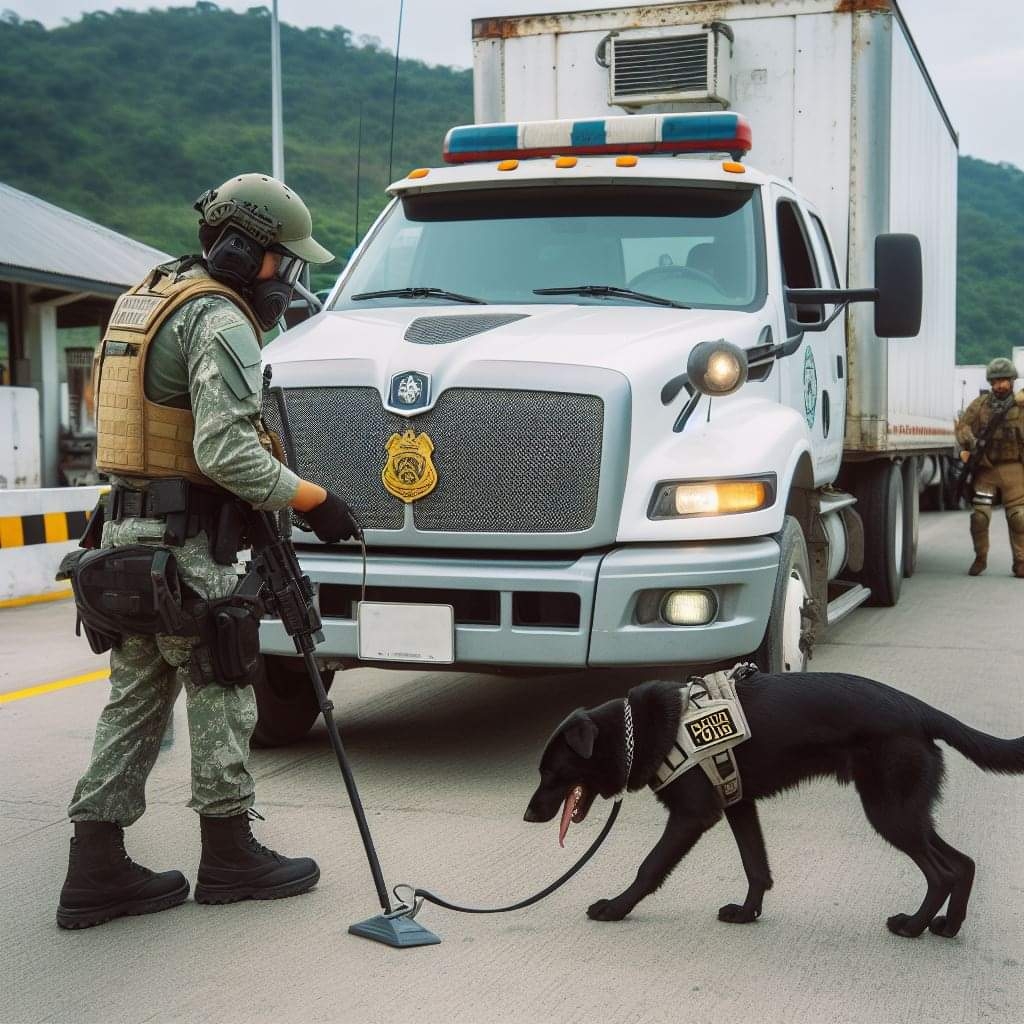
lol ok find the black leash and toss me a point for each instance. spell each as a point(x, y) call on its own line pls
point(421, 895)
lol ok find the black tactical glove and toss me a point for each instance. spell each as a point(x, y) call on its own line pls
point(332, 520)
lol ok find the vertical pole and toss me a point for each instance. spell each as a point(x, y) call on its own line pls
point(359, 168)
point(41, 331)
point(394, 88)
point(276, 128)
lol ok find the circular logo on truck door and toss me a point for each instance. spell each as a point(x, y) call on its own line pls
point(810, 387)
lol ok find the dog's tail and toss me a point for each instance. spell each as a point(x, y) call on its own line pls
point(989, 753)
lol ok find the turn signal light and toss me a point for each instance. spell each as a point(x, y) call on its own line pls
point(711, 498)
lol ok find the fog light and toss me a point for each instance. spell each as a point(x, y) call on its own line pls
point(688, 607)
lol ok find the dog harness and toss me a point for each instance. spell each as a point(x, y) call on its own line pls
point(711, 725)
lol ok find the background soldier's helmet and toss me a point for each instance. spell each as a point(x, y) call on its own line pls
point(1000, 368)
point(268, 211)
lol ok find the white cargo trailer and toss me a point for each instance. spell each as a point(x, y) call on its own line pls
point(842, 106)
point(594, 390)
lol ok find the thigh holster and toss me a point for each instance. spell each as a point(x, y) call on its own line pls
point(229, 641)
point(123, 591)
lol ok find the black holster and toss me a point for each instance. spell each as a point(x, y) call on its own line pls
point(126, 590)
point(229, 647)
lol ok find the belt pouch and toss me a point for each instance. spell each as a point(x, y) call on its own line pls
point(238, 643)
point(227, 535)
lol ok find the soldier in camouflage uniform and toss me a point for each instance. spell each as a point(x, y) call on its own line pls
point(180, 399)
point(1001, 470)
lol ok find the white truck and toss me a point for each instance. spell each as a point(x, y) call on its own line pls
point(593, 387)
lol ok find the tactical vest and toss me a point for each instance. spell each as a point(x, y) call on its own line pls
point(135, 436)
point(1005, 443)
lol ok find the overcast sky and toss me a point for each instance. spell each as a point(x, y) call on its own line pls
point(974, 51)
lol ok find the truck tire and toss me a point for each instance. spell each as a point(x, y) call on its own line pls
point(781, 651)
point(911, 514)
point(878, 487)
point(286, 706)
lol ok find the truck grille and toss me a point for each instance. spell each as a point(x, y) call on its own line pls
point(507, 461)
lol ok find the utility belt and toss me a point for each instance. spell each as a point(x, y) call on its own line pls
point(136, 590)
point(187, 509)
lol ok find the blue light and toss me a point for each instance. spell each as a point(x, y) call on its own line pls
point(643, 133)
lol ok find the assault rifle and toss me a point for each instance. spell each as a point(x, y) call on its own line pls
point(970, 467)
point(277, 579)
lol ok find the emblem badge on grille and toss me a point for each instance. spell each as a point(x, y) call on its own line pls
point(409, 473)
point(409, 390)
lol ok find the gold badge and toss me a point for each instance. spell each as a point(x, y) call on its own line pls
point(409, 473)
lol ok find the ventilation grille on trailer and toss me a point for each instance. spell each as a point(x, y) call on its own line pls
point(649, 66)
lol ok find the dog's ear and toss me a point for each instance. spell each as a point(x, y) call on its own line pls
point(580, 733)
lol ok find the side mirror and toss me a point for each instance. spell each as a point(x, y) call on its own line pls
point(898, 280)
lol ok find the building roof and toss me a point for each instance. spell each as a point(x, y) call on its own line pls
point(43, 244)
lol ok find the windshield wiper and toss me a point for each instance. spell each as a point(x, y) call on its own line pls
point(418, 293)
point(610, 290)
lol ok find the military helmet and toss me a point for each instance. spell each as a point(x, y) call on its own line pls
point(1000, 369)
point(268, 211)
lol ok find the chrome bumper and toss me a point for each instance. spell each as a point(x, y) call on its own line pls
point(608, 585)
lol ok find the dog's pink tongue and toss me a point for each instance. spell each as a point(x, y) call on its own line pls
point(572, 798)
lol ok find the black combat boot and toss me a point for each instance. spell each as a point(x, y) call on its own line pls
point(103, 882)
point(234, 866)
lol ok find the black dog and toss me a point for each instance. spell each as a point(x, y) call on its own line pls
point(802, 726)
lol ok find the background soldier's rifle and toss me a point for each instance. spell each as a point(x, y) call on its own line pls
point(970, 467)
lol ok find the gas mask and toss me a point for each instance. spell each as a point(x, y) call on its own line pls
point(269, 299)
point(235, 259)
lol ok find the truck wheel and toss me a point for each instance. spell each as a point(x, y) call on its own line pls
point(879, 488)
point(781, 649)
point(911, 514)
point(285, 702)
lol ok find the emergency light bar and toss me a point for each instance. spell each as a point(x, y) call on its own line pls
point(642, 133)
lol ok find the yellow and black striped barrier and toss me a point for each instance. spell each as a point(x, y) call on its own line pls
point(38, 526)
point(47, 528)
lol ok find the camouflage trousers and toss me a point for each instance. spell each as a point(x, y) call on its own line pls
point(146, 675)
point(1005, 480)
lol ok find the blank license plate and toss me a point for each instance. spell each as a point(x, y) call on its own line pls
point(390, 631)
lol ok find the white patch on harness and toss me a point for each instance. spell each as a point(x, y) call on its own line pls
point(712, 723)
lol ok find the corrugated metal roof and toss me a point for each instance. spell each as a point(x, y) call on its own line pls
point(46, 241)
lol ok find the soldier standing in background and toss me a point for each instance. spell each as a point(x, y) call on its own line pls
point(992, 427)
point(178, 381)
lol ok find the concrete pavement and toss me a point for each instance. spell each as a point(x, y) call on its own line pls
point(445, 765)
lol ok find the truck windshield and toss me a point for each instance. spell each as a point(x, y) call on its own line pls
point(695, 246)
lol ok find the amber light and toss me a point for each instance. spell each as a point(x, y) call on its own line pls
point(508, 165)
point(420, 172)
point(565, 161)
point(721, 498)
point(625, 161)
point(733, 167)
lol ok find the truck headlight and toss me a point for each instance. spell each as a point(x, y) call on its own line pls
point(682, 498)
point(717, 368)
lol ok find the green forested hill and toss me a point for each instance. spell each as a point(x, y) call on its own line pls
point(990, 259)
point(127, 117)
